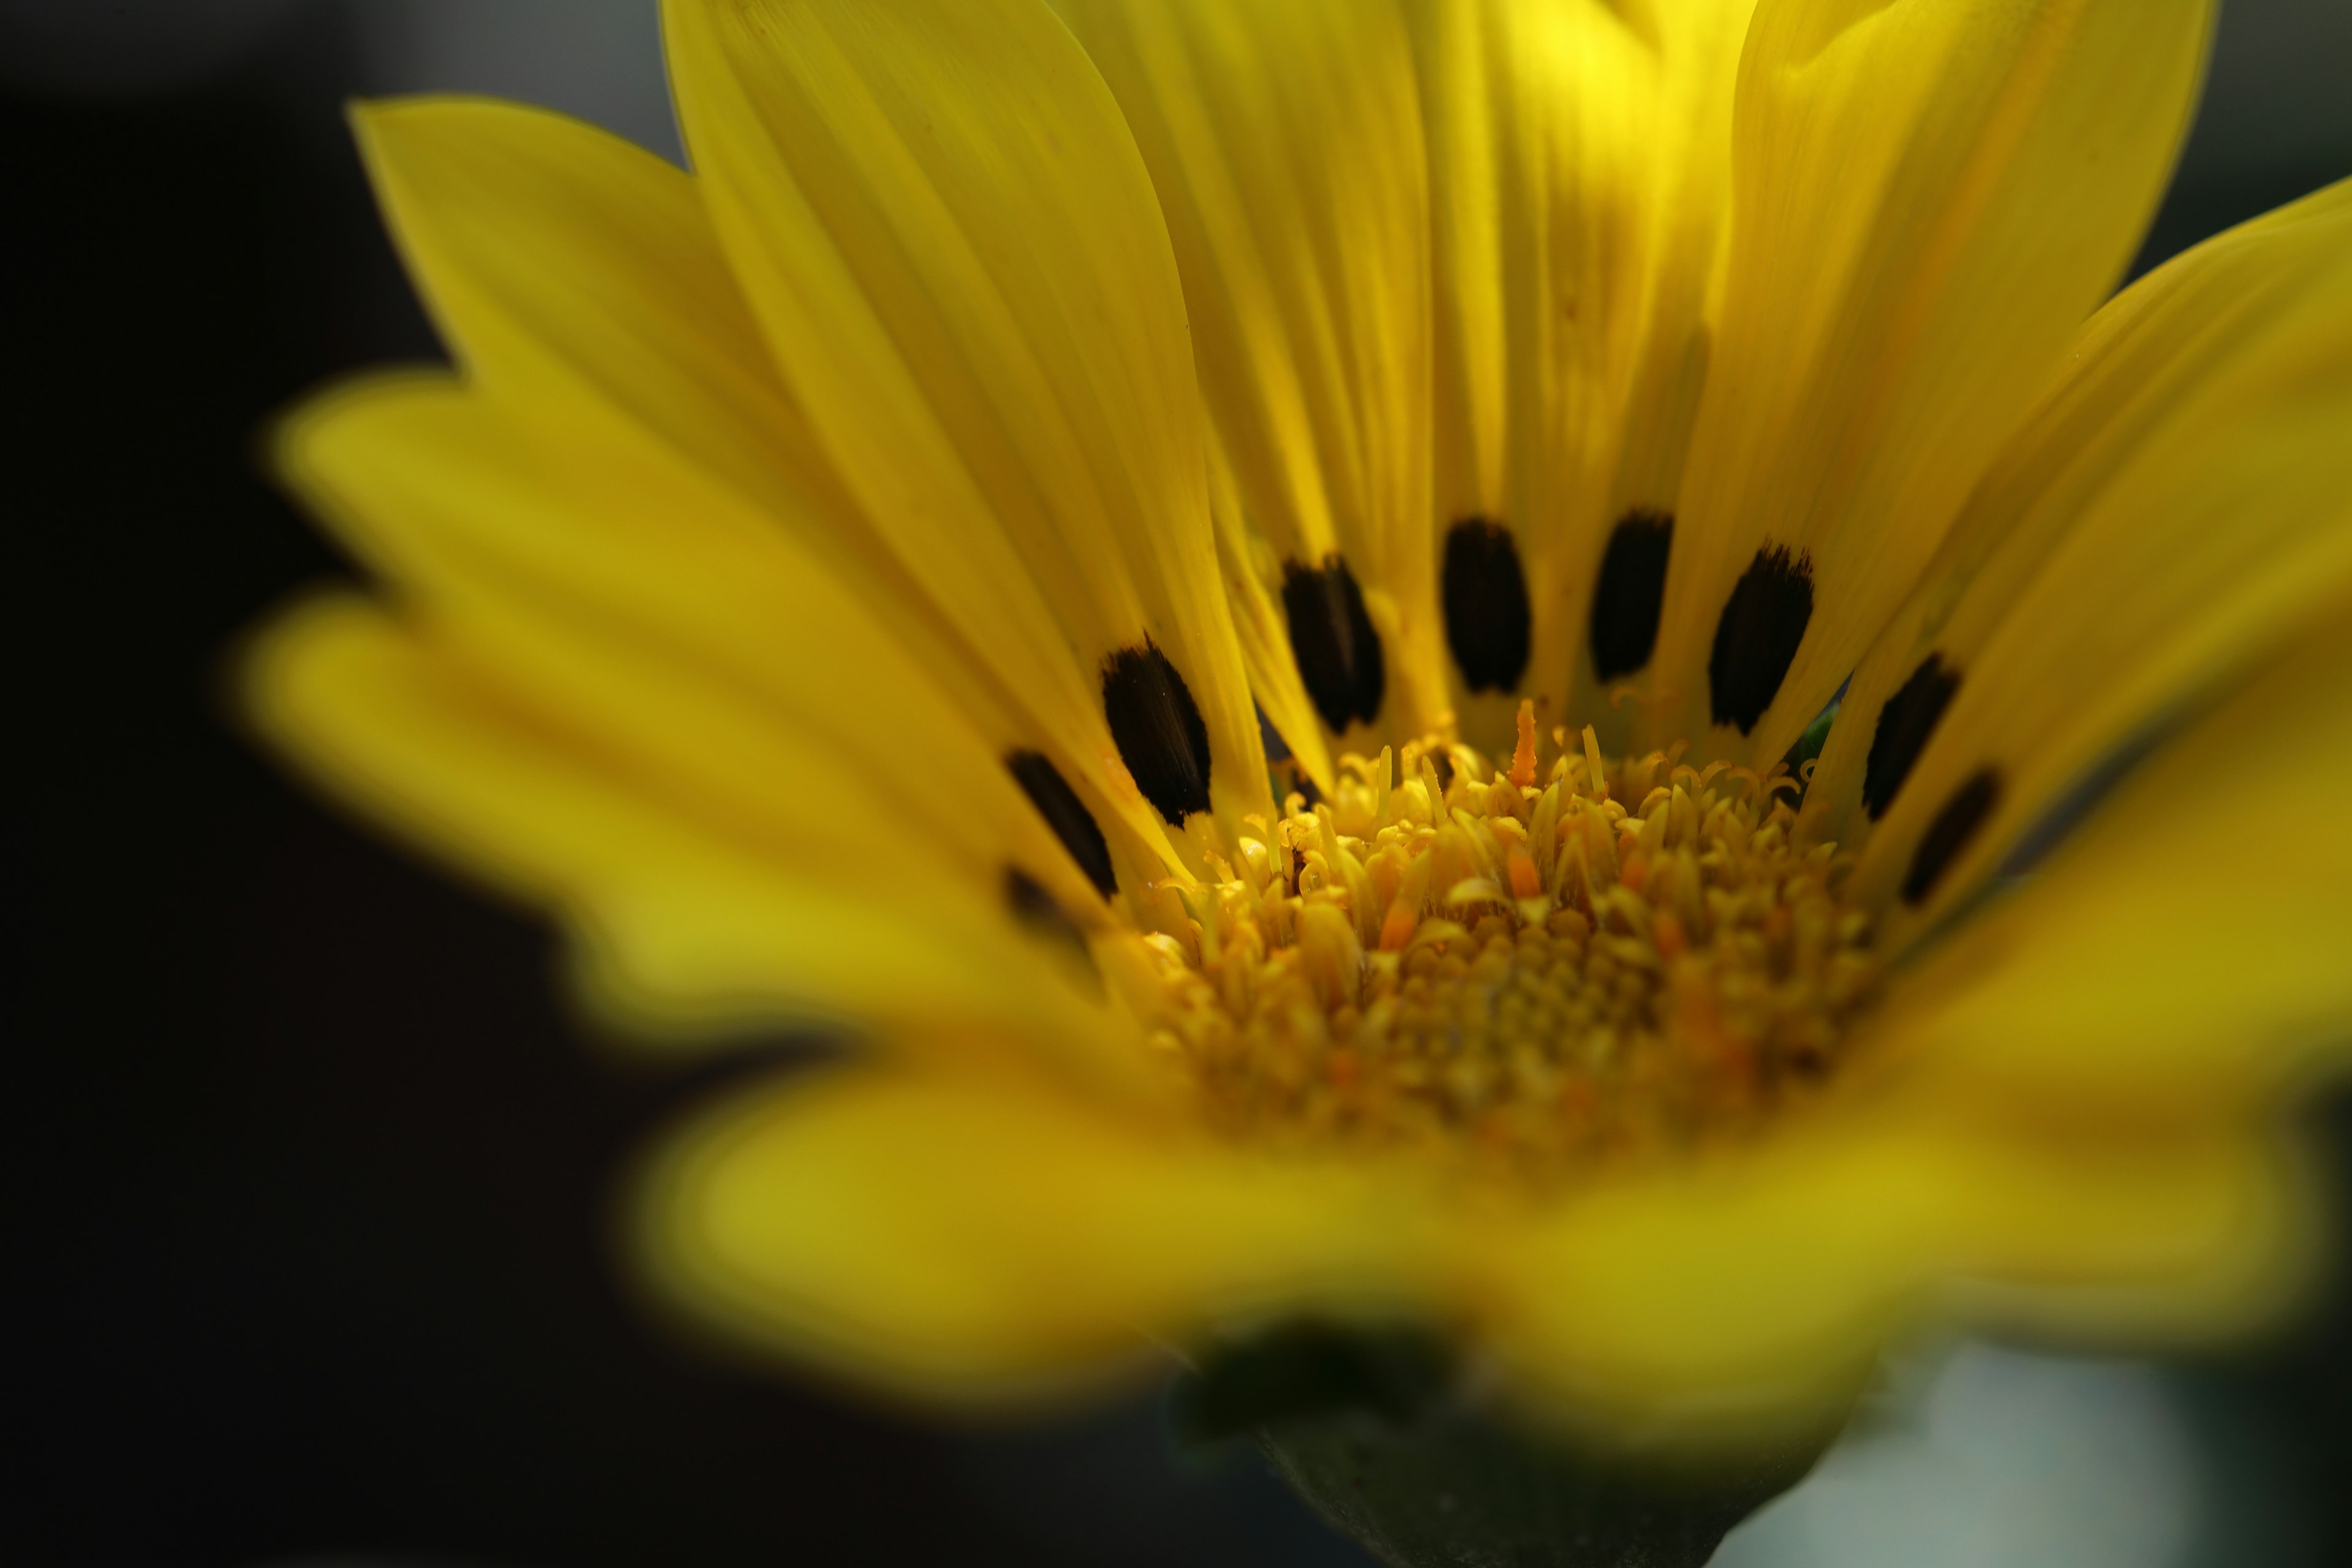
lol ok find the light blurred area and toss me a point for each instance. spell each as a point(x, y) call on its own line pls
point(1986, 1456)
point(599, 59)
point(1991, 1457)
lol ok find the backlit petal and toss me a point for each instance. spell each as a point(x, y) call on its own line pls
point(578, 275)
point(1580, 171)
point(1931, 197)
point(1285, 142)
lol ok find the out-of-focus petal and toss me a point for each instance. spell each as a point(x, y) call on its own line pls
point(967, 1240)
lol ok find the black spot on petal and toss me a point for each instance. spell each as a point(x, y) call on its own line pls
point(1949, 834)
point(1756, 639)
point(1903, 726)
point(1337, 650)
point(1487, 619)
point(1159, 731)
point(1631, 590)
point(1067, 814)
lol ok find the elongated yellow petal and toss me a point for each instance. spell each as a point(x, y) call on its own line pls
point(1285, 142)
point(1931, 197)
point(579, 278)
point(1252, 572)
point(953, 248)
point(1580, 167)
point(2179, 502)
point(729, 873)
point(1613, 614)
point(977, 1240)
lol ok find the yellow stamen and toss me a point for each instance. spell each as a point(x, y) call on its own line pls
point(1534, 976)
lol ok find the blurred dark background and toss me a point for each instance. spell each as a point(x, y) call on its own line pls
point(310, 1254)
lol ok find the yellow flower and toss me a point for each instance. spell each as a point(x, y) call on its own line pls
point(856, 582)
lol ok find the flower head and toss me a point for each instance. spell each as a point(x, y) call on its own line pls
point(1231, 586)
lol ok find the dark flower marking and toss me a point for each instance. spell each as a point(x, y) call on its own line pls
point(1630, 592)
point(1949, 834)
point(1066, 814)
point(1338, 649)
point(1487, 619)
point(1159, 731)
point(1756, 639)
point(1903, 726)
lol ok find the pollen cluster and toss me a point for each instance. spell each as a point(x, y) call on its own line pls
point(1540, 966)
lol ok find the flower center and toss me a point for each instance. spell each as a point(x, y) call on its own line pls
point(1541, 966)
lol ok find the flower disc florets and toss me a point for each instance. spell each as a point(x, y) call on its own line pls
point(1538, 968)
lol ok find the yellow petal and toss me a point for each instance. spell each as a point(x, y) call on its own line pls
point(978, 1241)
point(1251, 570)
point(951, 246)
point(2186, 949)
point(1285, 142)
point(702, 895)
point(1932, 196)
point(1761, 1291)
point(578, 275)
point(1580, 166)
point(716, 864)
point(579, 278)
point(523, 530)
point(2179, 502)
